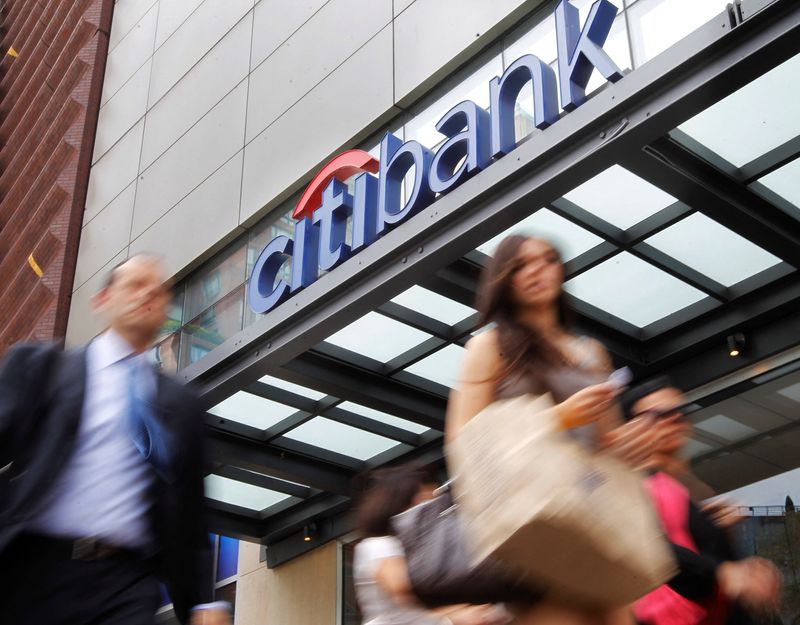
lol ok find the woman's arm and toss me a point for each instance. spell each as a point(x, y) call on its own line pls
point(392, 576)
point(477, 382)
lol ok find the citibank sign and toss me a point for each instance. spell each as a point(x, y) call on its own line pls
point(475, 137)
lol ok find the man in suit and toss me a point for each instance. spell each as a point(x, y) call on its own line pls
point(101, 474)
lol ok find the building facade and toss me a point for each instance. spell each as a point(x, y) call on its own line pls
point(51, 76)
point(660, 157)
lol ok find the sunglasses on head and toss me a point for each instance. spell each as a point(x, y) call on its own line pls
point(679, 411)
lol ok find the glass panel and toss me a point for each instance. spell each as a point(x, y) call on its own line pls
point(620, 197)
point(240, 494)
point(377, 415)
point(541, 42)
point(213, 327)
point(725, 428)
point(292, 388)
point(165, 353)
point(792, 392)
point(340, 438)
point(749, 123)
point(175, 312)
point(710, 248)
point(378, 337)
point(252, 410)
point(214, 281)
point(278, 222)
point(474, 87)
point(442, 366)
point(694, 448)
point(227, 558)
point(659, 24)
point(617, 48)
point(538, 35)
point(633, 290)
point(570, 239)
point(434, 305)
point(786, 183)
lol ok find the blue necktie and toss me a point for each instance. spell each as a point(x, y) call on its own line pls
point(150, 438)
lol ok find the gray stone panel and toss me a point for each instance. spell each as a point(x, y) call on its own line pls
point(193, 158)
point(171, 14)
point(130, 54)
point(105, 236)
point(202, 221)
point(126, 15)
point(224, 67)
point(83, 324)
point(114, 171)
point(433, 37)
point(194, 38)
point(353, 100)
point(326, 40)
point(121, 112)
point(269, 33)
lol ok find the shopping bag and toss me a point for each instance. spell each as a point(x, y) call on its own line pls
point(439, 565)
point(576, 523)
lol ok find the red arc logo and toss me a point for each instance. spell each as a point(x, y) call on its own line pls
point(342, 167)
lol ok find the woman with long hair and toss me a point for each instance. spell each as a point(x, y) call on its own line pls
point(529, 349)
point(382, 584)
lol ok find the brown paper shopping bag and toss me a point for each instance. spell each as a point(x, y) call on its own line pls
point(578, 524)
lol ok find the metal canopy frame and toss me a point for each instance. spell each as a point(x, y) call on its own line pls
point(631, 123)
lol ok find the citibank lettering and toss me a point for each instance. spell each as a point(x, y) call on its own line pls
point(475, 138)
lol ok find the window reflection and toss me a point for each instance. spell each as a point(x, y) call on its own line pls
point(165, 353)
point(474, 86)
point(212, 327)
point(215, 281)
point(658, 24)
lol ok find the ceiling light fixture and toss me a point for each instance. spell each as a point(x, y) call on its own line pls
point(309, 532)
point(736, 343)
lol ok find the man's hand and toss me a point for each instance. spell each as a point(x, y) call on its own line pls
point(754, 581)
point(212, 616)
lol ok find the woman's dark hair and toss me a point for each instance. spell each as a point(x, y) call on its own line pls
point(524, 349)
point(385, 493)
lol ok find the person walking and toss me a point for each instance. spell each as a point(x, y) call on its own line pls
point(380, 572)
point(101, 474)
point(715, 585)
point(528, 349)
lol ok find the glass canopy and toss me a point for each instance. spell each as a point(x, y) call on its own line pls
point(683, 240)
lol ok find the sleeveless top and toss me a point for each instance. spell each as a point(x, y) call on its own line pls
point(562, 382)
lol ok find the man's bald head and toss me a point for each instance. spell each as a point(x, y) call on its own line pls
point(134, 299)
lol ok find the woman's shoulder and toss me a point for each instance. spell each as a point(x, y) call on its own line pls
point(379, 547)
point(483, 353)
point(485, 341)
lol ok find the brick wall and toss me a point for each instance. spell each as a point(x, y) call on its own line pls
point(51, 75)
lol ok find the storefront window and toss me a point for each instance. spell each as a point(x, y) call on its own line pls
point(212, 327)
point(216, 280)
point(658, 24)
point(166, 353)
point(474, 86)
point(351, 615)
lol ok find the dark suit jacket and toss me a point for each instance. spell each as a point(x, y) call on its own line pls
point(41, 400)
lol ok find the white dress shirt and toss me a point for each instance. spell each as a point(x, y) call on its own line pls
point(104, 489)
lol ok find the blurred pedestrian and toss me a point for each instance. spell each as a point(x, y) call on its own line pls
point(714, 585)
point(529, 349)
point(101, 490)
point(383, 588)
